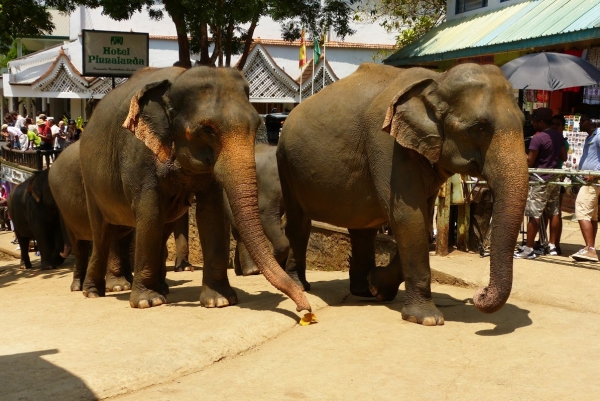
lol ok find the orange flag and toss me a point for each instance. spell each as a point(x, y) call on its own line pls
point(302, 50)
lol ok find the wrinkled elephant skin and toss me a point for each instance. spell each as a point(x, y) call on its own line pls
point(35, 216)
point(373, 149)
point(152, 144)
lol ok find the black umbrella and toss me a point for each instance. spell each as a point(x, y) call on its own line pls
point(550, 71)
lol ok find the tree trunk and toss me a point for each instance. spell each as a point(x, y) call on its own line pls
point(184, 45)
point(229, 43)
point(248, 43)
point(204, 57)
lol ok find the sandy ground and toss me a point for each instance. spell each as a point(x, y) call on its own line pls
point(57, 345)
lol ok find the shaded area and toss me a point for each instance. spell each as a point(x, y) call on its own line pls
point(11, 273)
point(507, 320)
point(43, 381)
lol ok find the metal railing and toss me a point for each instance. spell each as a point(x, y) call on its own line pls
point(32, 159)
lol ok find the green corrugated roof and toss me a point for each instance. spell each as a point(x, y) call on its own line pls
point(523, 25)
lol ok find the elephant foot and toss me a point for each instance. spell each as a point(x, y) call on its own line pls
point(144, 298)
point(164, 288)
point(93, 290)
point(360, 288)
point(184, 266)
point(426, 314)
point(47, 267)
point(25, 266)
point(217, 296)
point(116, 284)
point(301, 281)
point(76, 285)
point(66, 251)
point(250, 270)
point(384, 282)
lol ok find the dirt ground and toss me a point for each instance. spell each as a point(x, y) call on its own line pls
point(542, 345)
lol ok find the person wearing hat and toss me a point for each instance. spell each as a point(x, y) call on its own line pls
point(546, 148)
point(47, 140)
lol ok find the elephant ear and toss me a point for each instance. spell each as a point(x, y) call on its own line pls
point(148, 119)
point(34, 188)
point(414, 118)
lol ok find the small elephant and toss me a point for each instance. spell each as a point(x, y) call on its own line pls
point(152, 144)
point(375, 147)
point(35, 216)
point(66, 184)
point(271, 210)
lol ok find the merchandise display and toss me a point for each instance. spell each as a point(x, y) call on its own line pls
point(576, 139)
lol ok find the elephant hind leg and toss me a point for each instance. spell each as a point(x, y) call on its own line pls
point(81, 251)
point(362, 261)
point(385, 280)
point(24, 249)
point(297, 230)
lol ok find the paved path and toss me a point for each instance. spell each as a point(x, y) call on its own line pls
point(57, 345)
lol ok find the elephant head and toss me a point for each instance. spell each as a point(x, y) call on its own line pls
point(201, 121)
point(466, 121)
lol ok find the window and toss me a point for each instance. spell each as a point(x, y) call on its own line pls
point(468, 5)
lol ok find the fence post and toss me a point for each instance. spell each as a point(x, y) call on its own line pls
point(443, 218)
point(39, 160)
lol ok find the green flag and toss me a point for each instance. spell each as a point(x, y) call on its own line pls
point(317, 51)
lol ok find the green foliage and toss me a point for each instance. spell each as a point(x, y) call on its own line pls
point(411, 19)
point(22, 18)
point(12, 54)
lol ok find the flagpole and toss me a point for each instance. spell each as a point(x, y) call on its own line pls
point(324, 63)
point(302, 60)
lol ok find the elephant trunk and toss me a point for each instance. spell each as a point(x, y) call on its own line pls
point(236, 170)
point(508, 180)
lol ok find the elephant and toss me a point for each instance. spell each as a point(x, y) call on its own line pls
point(66, 185)
point(35, 216)
point(271, 210)
point(154, 142)
point(375, 147)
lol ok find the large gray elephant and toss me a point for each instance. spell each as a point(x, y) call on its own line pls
point(374, 148)
point(154, 142)
point(66, 184)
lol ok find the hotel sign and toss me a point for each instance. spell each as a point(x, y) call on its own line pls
point(114, 54)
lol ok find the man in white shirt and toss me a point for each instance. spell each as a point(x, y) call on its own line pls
point(11, 134)
point(23, 139)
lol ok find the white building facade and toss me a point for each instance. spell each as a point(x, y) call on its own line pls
point(51, 80)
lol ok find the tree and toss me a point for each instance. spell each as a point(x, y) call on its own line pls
point(223, 21)
point(22, 18)
point(410, 18)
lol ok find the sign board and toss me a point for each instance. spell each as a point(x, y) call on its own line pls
point(114, 54)
point(13, 175)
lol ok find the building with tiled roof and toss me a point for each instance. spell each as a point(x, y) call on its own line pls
point(51, 79)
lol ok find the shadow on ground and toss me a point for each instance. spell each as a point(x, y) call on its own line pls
point(506, 320)
point(17, 386)
point(11, 273)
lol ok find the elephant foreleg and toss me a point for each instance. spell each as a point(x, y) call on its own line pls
point(147, 287)
point(412, 235)
point(213, 230)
